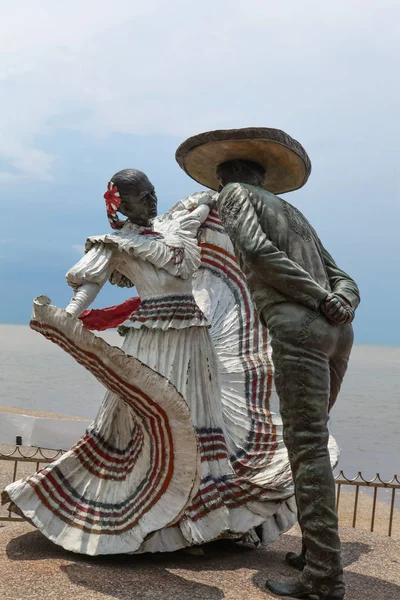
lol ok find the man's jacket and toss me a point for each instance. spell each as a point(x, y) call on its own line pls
point(278, 250)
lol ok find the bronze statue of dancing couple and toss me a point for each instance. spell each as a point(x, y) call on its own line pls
point(187, 446)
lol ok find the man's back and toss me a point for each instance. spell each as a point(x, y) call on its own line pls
point(277, 248)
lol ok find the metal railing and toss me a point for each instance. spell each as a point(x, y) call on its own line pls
point(40, 456)
point(376, 483)
point(35, 456)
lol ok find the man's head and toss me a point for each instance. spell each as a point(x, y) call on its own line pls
point(261, 156)
point(138, 197)
point(240, 171)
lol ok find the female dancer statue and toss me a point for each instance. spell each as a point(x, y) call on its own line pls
point(187, 445)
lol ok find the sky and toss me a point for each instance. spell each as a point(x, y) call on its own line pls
point(91, 87)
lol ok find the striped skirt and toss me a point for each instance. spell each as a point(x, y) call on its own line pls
point(154, 472)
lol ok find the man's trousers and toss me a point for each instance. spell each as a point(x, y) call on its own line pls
point(310, 358)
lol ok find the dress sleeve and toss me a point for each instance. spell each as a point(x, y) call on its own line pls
point(94, 267)
point(258, 252)
point(172, 247)
point(177, 252)
point(191, 221)
point(88, 276)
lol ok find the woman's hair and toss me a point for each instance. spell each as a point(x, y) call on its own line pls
point(120, 186)
point(127, 178)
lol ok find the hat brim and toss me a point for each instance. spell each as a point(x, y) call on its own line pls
point(285, 161)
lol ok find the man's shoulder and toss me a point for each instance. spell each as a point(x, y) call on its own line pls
point(246, 189)
point(232, 198)
point(235, 196)
point(232, 188)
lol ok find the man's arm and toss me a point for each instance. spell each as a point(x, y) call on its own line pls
point(341, 283)
point(257, 251)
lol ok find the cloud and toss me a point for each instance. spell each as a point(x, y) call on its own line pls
point(320, 71)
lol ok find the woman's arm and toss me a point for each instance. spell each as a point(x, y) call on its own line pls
point(83, 298)
point(88, 276)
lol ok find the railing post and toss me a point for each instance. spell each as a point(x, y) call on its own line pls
point(339, 487)
point(374, 509)
point(355, 507)
point(392, 512)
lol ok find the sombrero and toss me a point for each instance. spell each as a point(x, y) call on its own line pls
point(286, 162)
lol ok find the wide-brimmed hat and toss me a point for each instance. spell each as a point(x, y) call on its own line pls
point(286, 163)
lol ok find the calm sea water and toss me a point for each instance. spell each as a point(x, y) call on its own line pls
point(37, 375)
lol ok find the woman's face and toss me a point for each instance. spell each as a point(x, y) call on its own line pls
point(140, 206)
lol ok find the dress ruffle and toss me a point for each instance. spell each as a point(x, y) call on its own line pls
point(122, 480)
point(178, 254)
point(167, 312)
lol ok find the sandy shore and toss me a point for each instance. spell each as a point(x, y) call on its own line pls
point(39, 413)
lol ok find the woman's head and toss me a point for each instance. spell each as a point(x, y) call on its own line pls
point(132, 194)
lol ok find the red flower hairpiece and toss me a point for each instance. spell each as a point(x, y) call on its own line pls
point(113, 200)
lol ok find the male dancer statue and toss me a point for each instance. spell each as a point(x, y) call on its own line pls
point(308, 305)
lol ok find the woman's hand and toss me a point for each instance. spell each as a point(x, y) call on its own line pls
point(207, 199)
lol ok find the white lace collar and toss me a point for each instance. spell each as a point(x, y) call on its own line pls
point(134, 228)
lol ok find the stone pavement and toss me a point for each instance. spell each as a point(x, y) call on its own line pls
point(32, 568)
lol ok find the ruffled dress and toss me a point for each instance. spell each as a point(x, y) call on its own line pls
point(187, 446)
point(138, 465)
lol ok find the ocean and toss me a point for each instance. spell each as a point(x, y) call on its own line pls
point(37, 375)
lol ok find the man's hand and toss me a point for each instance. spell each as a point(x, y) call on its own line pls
point(337, 310)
